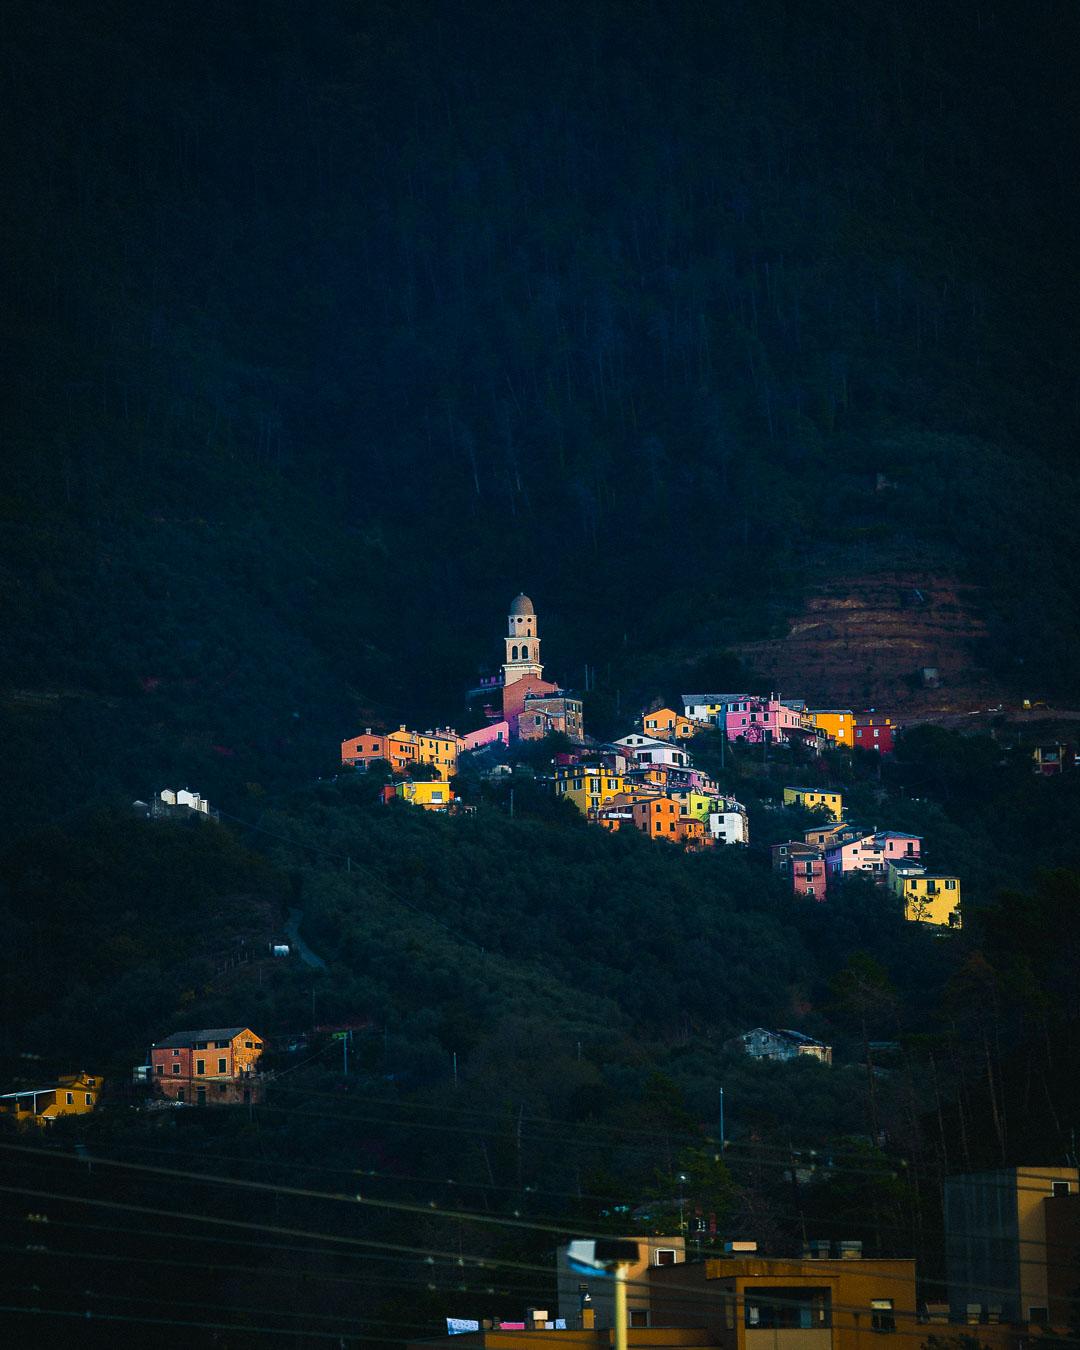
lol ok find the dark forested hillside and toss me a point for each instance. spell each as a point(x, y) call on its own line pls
point(597, 283)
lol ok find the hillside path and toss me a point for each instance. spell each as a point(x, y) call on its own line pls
point(292, 930)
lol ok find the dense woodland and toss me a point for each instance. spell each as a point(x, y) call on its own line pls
point(332, 326)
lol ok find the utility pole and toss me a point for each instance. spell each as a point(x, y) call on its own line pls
point(721, 1120)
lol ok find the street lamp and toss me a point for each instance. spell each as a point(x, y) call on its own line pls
point(682, 1179)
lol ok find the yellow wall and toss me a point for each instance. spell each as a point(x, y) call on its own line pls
point(83, 1089)
point(697, 804)
point(440, 752)
point(434, 796)
point(1033, 1187)
point(588, 788)
point(836, 723)
point(812, 798)
point(922, 906)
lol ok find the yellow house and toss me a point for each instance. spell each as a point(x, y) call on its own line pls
point(928, 897)
point(665, 724)
point(697, 804)
point(815, 798)
point(439, 748)
point(588, 786)
point(73, 1095)
point(837, 723)
point(435, 796)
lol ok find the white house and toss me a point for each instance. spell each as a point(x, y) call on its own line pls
point(729, 826)
point(783, 1045)
point(648, 750)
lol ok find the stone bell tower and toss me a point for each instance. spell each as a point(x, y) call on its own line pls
point(522, 643)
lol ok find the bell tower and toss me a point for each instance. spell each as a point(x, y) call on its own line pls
point(522, 642)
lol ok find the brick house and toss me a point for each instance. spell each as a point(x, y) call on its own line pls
point(213, 1066)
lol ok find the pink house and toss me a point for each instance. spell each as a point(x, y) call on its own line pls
point(494, 733)
point(871, 853)
point(803, 866)
point(751, 719)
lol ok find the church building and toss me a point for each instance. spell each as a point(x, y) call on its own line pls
point(532, 706)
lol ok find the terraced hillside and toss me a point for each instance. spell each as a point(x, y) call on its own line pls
point(863, 640)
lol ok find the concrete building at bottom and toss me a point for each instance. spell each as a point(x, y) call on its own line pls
point(1012, 1244)
point(829, 1299)
point(589, 1301)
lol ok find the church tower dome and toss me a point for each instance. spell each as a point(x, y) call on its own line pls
point(522, 641)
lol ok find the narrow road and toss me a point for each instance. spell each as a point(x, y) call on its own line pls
point(292, 931)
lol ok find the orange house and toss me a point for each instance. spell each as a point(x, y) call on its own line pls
point(658, 817)
point(665, 724)
point(362, 750)
point(693, 834)
point(209, 1067)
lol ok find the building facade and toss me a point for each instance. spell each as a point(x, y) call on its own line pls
point(572, 1288)
point(870, 853)
point(815, 799)
point(1011, 1245)
point(872, 731)
point(803, 866)
point(837, 723)
point(928, 897)
point(774, 1303)
point(783, 1045)
point(72, 1095)
point(208, 1067)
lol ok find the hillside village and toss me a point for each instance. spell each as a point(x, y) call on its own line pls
point(646, 780)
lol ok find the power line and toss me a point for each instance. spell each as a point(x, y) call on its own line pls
point(431, 1210)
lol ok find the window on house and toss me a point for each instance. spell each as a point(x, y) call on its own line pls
point(200, 1066)
point(71, 1099)
point(175, 1053)
point(176, 1068)
point(161, 1069)
point(89, 1099)
point(179, 1094)
point(249, 1045)
point(222, 1065)
point(201, 1045)
point(639, 1317)
point(1061, 1188)
point(882, 1317)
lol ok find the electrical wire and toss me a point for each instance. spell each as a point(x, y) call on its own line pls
point(430, 1211)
